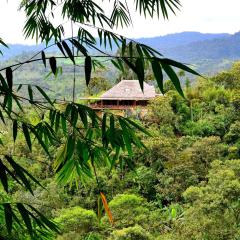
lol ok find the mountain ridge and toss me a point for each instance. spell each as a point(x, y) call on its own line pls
point(209, 52)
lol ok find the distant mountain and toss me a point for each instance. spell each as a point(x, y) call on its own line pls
point(19, 49)
point(177, 39)
point(210, 53)
point(227, 47)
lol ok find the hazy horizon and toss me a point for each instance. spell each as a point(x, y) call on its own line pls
point(165, 35)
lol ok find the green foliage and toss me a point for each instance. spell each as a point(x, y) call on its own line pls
point(77, 219)
point(187, 136)
point(79, 147)
point(233, 135)
point(202, 153)
point(128, 209)
point(135, 233)
point(161, 111)
point(214, 207)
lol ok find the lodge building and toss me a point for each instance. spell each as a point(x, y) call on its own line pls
point(126, 95)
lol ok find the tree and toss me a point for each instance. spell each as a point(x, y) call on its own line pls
point(213, 211)
point(82, 141)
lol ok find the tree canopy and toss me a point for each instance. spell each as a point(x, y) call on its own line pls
point(84, 141)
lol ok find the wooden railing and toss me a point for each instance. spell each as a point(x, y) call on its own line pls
point(114, 107)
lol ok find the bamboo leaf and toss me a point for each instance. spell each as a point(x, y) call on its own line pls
point(27, 136)
point(137, 126)
point(68, 50)
point(173, 77)
point(15, 129)
point(106, 207)
point(140, 72)
point(53, 65)
point(88, 69)
point(2, 118)
point(25, 216)
point(51, 225)
point(61, 49)
point(83, 116)
point(179, 65)
point(70, 146)
point(157, 71)
point(3, 176)
point(8, 216)
point(104, 123)
point(44, 94)
point(44, 59)
point(19, 173)
point(79, 47)
point(30, 93)
point(64, 124)
point(3, 82)
point(9, 76)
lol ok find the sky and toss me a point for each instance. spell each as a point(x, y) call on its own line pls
point(206, 16)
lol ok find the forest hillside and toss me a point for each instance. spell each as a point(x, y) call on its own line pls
point(184, 185)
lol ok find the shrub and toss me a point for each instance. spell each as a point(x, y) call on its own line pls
point(128, 210)
point(77, 220)
point(131, 233)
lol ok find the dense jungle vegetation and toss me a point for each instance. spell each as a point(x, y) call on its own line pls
point(184, 185)
point(67, 172)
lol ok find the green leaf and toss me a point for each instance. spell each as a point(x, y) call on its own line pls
point(3, 176)
point(3, 82)
point(57, 121)
point(3, 43)
point(104, 124)
point(140, 72)
point(40, 141)
point(61, 49)
point(64, 124)
point(19, 87)
point(19, 173)
point(44, 94)
point(44, 58)
point(88, 69)
point(130, 65)
point(15, 129)
point(173, 213)
point(157, 71)
point(179, 65)
point(8, 216)
point(140, 52)
point(68, 50)
point(53, 65)
point(126, 136)
point(118, 64)
point(25, 216)
point(79, 47)
point(130, 49)
point(27, 136)
point(9, 76)
point(83, 116)
point(124, 45)
point(2, 118)
point(74, 115)
point(137, 126)
point(70, 146)
point(112, 130)
point(173, 77)
point(30, 93)
point(51, 225)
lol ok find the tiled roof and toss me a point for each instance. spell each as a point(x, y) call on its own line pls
point(130, 90)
